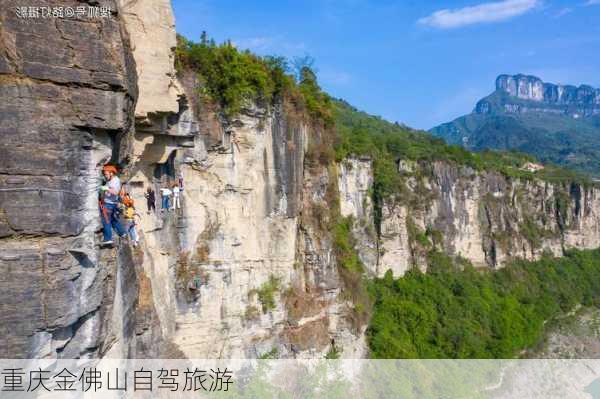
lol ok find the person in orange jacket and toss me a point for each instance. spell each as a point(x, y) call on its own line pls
point(109, 204)
point(130, 222)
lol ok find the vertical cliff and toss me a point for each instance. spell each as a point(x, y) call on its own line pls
point(241, 236)
point(68, 92)
point(484, 217)
point(575, 101)
point(240, 270)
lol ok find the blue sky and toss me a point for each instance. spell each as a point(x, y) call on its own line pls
point(420, 63)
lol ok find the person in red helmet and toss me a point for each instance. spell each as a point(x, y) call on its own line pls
point(109, 203)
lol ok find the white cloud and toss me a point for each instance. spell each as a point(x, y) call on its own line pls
point(482, 13)
point(592, 2)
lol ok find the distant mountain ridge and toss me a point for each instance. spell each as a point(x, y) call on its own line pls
point(525, 93)
point(556, 123)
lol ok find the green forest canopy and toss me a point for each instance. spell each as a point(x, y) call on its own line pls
point(230, 77)
point(469, 313)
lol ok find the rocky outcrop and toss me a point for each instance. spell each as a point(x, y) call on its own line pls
point(151, 28)
point(521, 86)
point(68, 91)
point(557, 124)
point(355, 185)
point(239, 272)
point(484, 217)
point(524, 93)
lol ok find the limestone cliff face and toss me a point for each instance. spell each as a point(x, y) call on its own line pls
point(484, 217)
point(524, 93)
point(241, 270)
point(241, 230)
point(151, 28)
point(532, 88)
point(355, 184)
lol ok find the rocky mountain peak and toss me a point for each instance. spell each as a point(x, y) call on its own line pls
point(521, 86)
point(524, 93)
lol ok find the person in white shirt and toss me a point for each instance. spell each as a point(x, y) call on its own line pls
point(176, 201)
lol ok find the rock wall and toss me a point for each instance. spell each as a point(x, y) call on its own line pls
point(151, 28)
point(241, 218)
point(532, 88)
point(355, 182)
point(543, 97)
point(68, 90)
point(239, 239)
point(484, 217)
point(239, 271)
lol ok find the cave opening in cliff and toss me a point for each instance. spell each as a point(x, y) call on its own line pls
point(166, 170)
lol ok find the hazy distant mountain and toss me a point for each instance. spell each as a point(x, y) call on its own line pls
point(556, 123)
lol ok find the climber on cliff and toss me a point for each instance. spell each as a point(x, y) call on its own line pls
point(130, 222)
point(165, 194)
point(150, 200)
point(109, 204)
point(176, 200)
point(126, 199)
